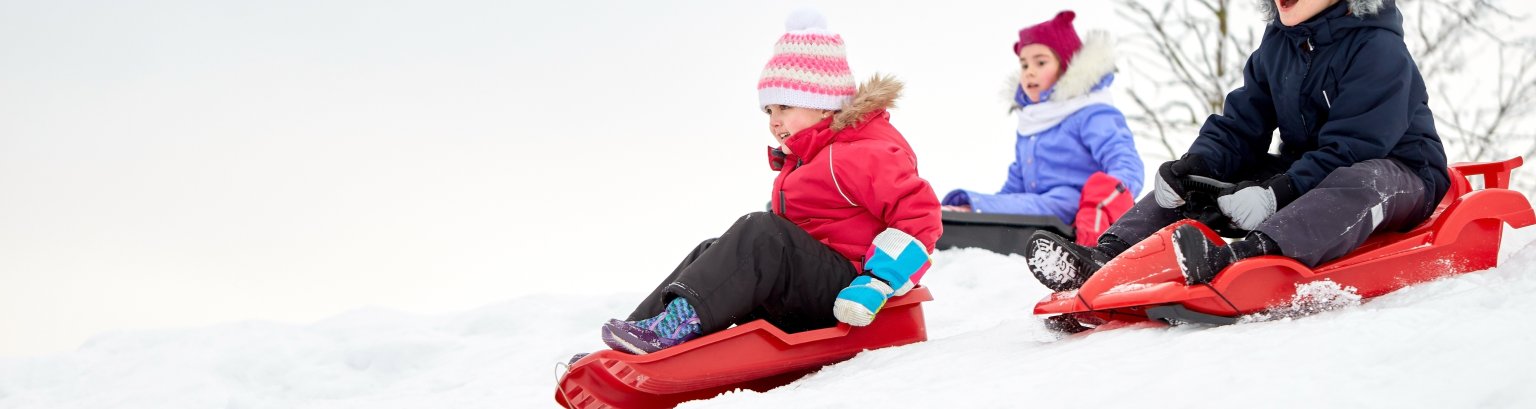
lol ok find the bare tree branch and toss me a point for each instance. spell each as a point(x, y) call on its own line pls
point(1481, 77)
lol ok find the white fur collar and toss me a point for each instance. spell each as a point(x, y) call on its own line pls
point(1360, 8)
point(1091, 63)
point(1088, 67)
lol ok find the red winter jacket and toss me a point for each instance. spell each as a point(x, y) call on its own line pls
point(853, 175)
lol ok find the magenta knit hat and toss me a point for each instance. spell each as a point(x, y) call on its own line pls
point(809, 68)
point(1056, 34)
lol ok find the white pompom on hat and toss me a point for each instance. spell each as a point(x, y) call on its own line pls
point(806, 19)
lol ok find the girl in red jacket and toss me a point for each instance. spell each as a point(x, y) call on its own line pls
point(851, 224)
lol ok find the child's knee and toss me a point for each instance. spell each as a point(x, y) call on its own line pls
point(1353, 176)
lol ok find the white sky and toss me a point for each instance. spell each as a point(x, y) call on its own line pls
point(175, 163)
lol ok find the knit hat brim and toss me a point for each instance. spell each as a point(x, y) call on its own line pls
point(772, 95)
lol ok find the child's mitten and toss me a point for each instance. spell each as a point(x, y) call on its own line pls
point(894, 262)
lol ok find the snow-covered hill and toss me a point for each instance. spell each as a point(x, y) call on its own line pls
point(1459, 342)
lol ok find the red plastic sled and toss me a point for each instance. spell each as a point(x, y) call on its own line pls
point(755, 355)
point(1145, 284)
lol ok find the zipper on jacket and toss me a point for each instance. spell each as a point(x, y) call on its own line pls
point(1031, 182)
point(783, 207)
point(1306, 70)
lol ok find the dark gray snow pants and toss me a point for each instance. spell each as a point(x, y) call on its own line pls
point(1327, 222)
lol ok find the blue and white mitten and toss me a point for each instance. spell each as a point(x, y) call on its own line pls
point(893, 260)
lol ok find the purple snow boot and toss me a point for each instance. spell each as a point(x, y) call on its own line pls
point(627, 337)
point(677, 324)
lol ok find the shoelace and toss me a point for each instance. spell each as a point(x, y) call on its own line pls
point(679, 332)
point(671, 314)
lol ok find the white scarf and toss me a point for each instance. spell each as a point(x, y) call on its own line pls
point(1039, 117)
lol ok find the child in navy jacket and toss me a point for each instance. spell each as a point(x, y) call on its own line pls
point(1358, 152)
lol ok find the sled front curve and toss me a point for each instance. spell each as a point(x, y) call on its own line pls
point(755, 355)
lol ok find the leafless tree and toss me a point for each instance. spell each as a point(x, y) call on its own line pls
point(1482, 79)
point(1481, 75)
point(1191, 54)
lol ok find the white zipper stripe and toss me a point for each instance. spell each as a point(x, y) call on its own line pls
point(1100, 210)
point(833, 171)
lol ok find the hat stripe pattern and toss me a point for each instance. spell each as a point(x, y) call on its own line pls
point(809, 68)
point(811, 63)
point(824, 45)
point(785, 85)
point(791, 78)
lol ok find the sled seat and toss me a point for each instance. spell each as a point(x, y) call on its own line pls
point(1493, 201)
point(755, 355)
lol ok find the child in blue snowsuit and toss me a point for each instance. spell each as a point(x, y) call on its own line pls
point(1068, 127)
point(1358, 152)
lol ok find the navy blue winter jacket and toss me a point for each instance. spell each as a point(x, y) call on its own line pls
point(1342, 89)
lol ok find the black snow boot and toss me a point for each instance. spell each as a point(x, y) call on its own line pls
point(1060, 263)
point(1199, 258)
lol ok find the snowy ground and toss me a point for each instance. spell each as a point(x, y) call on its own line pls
point(1459, 342)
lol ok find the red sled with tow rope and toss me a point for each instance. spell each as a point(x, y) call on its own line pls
point(755, 356)
point(1144, 283)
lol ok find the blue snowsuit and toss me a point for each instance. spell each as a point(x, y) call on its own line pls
point(1051, 166)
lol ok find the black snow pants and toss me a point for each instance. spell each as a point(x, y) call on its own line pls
point(763, 267)
point(1327, 222)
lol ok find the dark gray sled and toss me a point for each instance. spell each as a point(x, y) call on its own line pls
point(1000, 233)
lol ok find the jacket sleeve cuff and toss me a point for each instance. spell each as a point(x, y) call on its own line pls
point(1284, 189)
point(957, 197)
point(898, 259)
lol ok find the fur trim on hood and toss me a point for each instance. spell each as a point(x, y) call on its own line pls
point(1361, 8)
point(1089, 66)
point(1091, 63)
point(880, 92)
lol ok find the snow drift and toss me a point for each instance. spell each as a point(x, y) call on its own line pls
point(1463, 341)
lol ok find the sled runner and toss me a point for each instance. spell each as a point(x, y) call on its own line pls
point(755, 355)
point(1001, 233)
point(1144, 283)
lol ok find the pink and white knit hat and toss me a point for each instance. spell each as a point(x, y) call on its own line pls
point(809, 68)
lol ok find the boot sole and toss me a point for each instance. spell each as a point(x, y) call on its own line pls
point(1043, 250)
point(616, 340)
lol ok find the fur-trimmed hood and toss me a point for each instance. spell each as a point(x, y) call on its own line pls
point(1338, 21)
point(1090, 68)
point(868, 106)
point(879, 93)
point(1360, 8)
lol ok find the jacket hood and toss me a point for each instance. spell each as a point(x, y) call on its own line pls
point(1092, 69)
point(875, 95)
point(1333, 21)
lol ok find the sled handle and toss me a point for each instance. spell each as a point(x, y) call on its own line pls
point(1495, 174)
point(561, 369)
